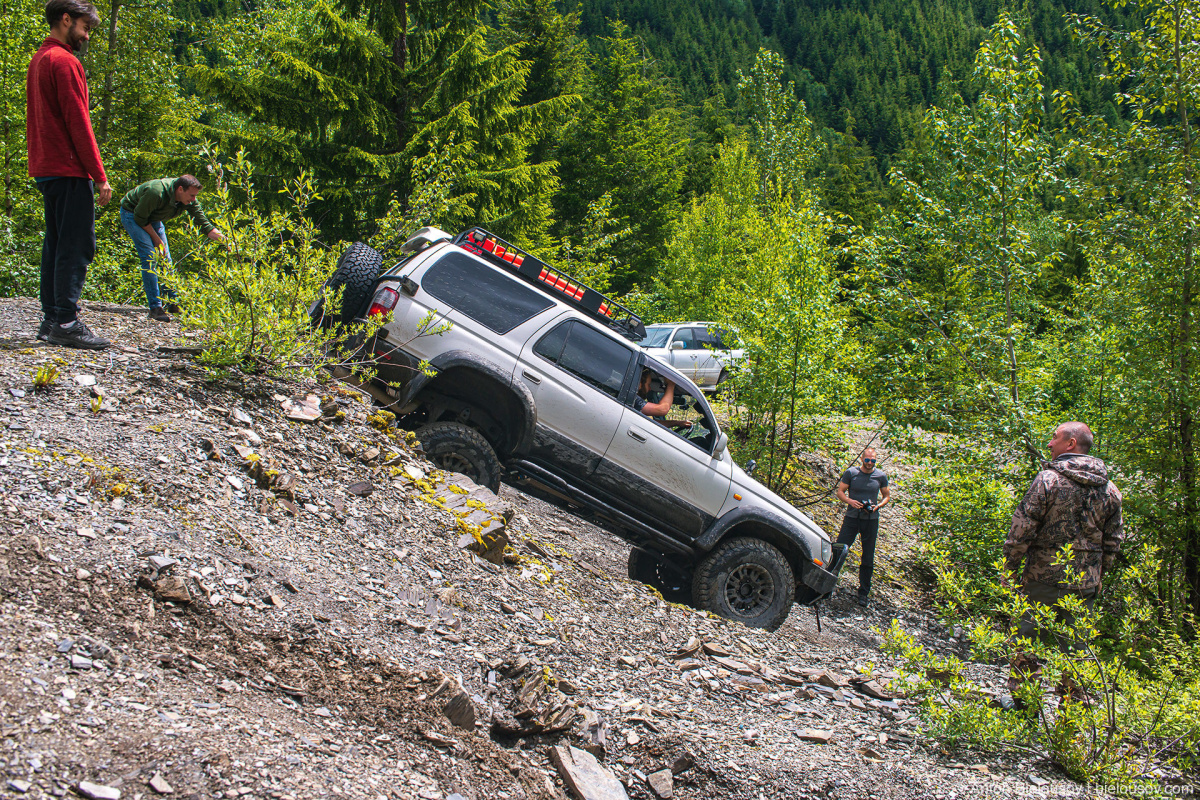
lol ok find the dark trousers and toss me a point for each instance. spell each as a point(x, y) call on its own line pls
point(1048, 594)
point(1023, 665)
point(69, 246)
point(869, 530)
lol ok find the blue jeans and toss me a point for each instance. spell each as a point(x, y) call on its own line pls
point(145, 251)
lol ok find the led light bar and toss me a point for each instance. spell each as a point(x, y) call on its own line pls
point(553, 282)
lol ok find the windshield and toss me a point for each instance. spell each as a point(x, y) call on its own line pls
point(657, 336)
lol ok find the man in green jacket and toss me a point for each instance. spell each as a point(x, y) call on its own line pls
point(143, 211)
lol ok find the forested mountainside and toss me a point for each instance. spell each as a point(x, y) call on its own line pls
point(865, 67)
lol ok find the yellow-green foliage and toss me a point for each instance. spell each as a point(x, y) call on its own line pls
point(1143, 705)
point(45, 377)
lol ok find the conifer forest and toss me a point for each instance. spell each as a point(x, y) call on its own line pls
point(965, 221)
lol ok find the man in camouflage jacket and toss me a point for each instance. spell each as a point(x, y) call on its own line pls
point(1071, 501)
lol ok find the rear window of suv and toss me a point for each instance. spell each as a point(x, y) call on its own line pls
point(491, 298)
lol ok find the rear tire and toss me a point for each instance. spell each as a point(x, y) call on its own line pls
point(355, 273)
point(720, 390)
point(674, 585)
point(454, 447)
point(746, 580)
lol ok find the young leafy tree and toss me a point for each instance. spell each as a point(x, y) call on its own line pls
point(1137, 192)
point(249, 302)
point(948, 274)
point(754, 254)
point(782, 132)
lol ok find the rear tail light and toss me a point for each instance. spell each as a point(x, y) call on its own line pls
point(385, 300)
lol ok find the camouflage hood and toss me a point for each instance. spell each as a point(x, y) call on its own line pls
point(1084, 470)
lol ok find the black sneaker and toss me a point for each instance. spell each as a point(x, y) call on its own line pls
point(78, 336)
point(172, 308)
point(864, 600)
point(44, 330)
point(159, 314)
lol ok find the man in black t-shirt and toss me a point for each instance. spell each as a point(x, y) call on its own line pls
point(657, 410)
point(858, 489)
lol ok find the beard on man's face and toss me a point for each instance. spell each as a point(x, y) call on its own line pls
point(77, 35)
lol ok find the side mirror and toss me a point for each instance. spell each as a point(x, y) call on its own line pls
point(750, 465)
point(678, 345)
point(722, 445)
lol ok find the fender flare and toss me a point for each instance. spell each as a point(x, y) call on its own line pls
point(465, 358)
point(788, 530)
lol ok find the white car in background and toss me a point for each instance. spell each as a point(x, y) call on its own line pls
point(704, 351)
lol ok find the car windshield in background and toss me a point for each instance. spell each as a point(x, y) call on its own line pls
point(657, 336)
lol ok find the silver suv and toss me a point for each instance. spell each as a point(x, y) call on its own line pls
point(536, 383)
point(704, 351)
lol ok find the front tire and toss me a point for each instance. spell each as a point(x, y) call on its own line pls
point(673, 584)
point(454, 447)
point(746, 580)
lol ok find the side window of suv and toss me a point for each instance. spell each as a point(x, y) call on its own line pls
point(685, 335)
point(484, 294)
point(587, 354)
point(706, 340)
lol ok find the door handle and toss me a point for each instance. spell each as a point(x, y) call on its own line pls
point(637, 437)
point(529, 376)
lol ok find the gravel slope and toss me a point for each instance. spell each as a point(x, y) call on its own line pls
point(323, 639)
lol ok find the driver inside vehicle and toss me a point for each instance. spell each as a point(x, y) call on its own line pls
point(649, 386)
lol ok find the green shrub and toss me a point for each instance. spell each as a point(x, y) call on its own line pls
point(249, 300)
point(115, 275)
point(952, 707)
point(20, 273)
point(963, 513)
point(1140, 710)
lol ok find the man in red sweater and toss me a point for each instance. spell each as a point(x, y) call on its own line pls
point(65, 161)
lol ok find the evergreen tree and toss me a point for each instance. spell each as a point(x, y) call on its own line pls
point(359, 96)
point(625, 142)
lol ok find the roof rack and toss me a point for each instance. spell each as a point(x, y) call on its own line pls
point(553, 282)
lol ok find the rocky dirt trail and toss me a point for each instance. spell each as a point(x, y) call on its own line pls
point(202, 598)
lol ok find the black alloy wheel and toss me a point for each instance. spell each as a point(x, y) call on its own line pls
point(455, 447)
point(747, 580)
point(749, 590)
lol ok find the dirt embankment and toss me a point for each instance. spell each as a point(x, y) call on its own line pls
point(179, 620)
